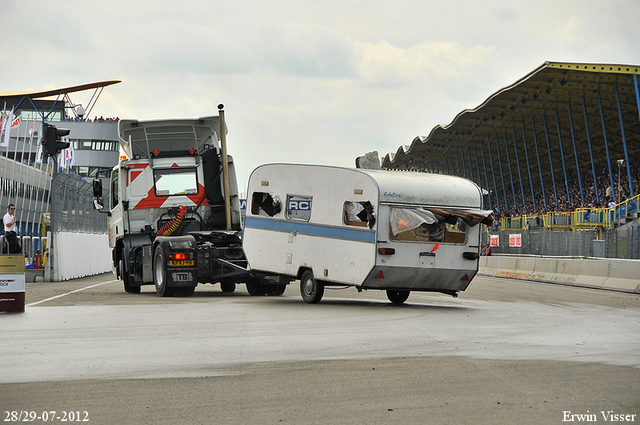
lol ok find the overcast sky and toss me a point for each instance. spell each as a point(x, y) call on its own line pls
point(304, 81)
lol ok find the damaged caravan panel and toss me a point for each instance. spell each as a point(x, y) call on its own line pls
point(372, 229)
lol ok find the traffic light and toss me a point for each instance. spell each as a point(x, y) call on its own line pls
point(52, 139)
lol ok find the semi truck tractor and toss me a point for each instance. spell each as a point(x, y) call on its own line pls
point(174, 211)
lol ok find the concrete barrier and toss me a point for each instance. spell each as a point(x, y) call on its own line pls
point(567, 269)
point(544, 270)
point(609, 273)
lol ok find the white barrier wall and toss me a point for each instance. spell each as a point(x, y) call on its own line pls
point(78, 255)
point(603, 273)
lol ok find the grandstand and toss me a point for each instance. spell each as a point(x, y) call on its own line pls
point(557, 150)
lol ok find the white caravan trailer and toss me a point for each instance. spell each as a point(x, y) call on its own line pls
point(373, 229)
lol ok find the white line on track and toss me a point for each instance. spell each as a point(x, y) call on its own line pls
point(69, 293)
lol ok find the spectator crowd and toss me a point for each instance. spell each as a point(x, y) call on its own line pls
point(607, 196)
point(96, 119)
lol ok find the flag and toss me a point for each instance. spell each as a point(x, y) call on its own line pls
point(39, 151)
point(5, 134)
point(61, 160)
point(72, 153)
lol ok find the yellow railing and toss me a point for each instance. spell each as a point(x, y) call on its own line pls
point(524, 222)
point(590, 217)
point(512, 223)
point(559, 220)
point(624, 210)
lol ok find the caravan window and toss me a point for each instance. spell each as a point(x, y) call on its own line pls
point(263, 203)
point(359, 214)
point(415, 224)
point(299, 207)
point(447, 225)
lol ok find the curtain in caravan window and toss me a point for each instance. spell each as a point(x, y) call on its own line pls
point(403, 219)
point(409, 218)
point(470, 217)
point(352, 214)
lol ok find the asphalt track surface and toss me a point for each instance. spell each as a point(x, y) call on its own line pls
point(505, 351)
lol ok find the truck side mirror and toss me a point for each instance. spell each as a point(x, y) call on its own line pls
point(97, 188)
point(97, 204)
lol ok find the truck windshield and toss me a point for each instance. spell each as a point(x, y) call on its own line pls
point(175, 181)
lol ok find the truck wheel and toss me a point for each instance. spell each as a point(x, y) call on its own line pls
point(311, 289)
point(227, 286)
point(276, 290)
point(397, 297)
point(159, 274)
point(126, 280)
point(254, 287)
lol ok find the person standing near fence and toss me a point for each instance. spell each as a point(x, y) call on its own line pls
point(11, 230)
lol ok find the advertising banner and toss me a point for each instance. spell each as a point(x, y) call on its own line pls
point(12, 283)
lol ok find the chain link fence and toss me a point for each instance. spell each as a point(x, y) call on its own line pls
point(618, 242)
point(72, 206)
point(623, 242)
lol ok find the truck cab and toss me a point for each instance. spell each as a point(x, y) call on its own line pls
point(174, 210)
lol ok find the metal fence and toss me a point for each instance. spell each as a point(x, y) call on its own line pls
point(623, 242)
point(72, 206)
point(618, 242)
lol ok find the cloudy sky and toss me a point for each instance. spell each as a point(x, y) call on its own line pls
point(304, 81)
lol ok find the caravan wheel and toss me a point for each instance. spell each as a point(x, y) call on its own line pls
point(311, 289)
point(397, 297)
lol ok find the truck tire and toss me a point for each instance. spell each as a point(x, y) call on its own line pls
point(276, 290)
point(311, 289)
point(254, 287)
point(160, 274)
point(227, 286)
point(397, 297)
point(126, 280)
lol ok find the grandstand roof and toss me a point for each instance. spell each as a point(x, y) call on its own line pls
point(567, 102)
point(16, 100)
point(65, 90)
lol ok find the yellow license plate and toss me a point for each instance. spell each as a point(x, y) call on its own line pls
point(180, 263)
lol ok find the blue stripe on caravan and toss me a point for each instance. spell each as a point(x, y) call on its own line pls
point(363, 235)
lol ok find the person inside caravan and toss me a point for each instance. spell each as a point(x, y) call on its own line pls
point(430, 232)
point(265, 202)
point(359, 212)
